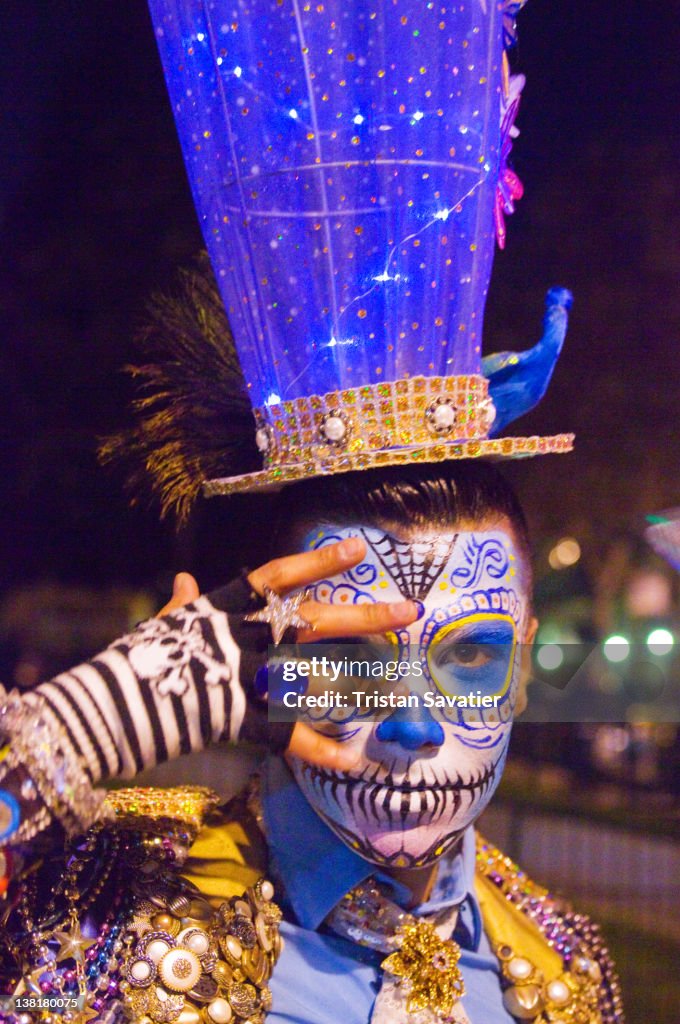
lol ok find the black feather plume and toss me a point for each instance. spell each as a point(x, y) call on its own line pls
point(193, 417)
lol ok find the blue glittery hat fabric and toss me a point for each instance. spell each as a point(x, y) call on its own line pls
point(346, 161)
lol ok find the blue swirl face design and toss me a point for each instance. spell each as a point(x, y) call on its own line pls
point(424, 777)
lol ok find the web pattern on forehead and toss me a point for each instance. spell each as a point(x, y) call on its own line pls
point(413, 565)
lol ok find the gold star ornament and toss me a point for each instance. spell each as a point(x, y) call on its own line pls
point(29, 984)
point(428, 968)
point(72, 944)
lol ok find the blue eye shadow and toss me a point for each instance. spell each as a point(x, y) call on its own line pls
point(494, 641)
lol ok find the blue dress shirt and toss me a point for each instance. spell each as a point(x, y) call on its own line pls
point(324, 979)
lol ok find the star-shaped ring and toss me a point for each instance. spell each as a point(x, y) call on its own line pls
point(281, 613)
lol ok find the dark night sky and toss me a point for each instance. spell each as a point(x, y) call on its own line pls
point(95, 214)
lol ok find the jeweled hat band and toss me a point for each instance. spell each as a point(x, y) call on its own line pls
point(374, 417)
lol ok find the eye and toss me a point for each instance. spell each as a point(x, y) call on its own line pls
point(475, 653)
point(470, 655)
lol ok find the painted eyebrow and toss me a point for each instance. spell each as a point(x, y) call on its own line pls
point(482, 633)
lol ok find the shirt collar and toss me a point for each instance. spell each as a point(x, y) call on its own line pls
point(455, 880)
point(317, 869)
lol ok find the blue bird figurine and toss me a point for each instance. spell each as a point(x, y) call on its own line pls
point(518, 380)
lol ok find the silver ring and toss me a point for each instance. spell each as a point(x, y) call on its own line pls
point(281, 613)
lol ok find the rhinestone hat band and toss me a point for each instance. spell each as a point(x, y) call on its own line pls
point(374, 417)
point(421, 419)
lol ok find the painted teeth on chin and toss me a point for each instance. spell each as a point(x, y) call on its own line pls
point(323, 776)
point(377, 801)
point(372, 801)
point(390, 806)
point(435, 795)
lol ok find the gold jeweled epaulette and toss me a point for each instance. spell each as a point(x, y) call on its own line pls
point(555, 966)
point(154, 811)
point(110, 930)
point(184, 956)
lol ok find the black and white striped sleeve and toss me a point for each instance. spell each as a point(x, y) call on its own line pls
point(173, 686)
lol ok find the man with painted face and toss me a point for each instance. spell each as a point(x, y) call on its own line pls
point(349, 163)
point(453, 541)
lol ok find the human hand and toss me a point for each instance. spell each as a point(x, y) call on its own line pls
point(330, 620)
point(292, 572)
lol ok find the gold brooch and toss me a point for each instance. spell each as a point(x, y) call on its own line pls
point(429, 968)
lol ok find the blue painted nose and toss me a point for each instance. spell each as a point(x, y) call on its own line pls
point(411, 728)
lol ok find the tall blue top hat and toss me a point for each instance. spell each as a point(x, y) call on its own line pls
point(348, 161)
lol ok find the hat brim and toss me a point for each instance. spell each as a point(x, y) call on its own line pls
point(276, 477)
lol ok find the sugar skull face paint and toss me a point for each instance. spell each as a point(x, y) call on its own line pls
point(423, 778)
